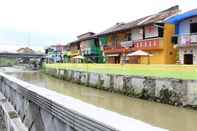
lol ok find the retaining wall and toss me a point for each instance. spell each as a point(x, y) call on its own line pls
point(164, 90)
point(43, 110)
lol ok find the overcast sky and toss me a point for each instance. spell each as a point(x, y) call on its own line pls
point(46, 22)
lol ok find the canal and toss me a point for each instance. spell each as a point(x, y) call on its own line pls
point(161, 115)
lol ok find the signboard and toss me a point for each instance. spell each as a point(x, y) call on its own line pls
point(137, 34)
point(154, 43)
point(127, 44)
point(151, 31)
point(74, 52)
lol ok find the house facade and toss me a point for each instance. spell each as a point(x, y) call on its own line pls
point(89, 47)
point(186, 36)
point(150, 34)
point(55, 53)
point(74, 50)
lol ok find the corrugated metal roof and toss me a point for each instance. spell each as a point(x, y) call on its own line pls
point(159, 17)
point(183, 16)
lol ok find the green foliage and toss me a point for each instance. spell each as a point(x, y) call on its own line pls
point(7, 61)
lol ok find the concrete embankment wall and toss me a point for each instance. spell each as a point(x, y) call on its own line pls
point(43, 110)
point(164, 90)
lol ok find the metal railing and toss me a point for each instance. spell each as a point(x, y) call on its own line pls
point(187, 39)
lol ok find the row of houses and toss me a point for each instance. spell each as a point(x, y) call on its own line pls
point(167, 37)
point(87, 45)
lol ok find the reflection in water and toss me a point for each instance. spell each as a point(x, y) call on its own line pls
point(164, 116)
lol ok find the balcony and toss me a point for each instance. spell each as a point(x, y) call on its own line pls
point(112, 49)
point(187, 40)
point(148, 44)
point(91, 51)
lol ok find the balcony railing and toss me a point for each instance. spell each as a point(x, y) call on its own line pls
point(112, 49)
point(147, 44)
point(187, 39)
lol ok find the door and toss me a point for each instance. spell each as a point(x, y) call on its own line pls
point(188, 59)
point(117, 59)
point(193, 28)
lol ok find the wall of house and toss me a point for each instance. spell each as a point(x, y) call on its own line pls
point(156, 58)
point(119, 37)
point(137, 34)
point(169, 50)
point(188, 50)
point(184, 26)
point(168, 53)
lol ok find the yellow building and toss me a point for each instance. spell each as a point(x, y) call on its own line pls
point(150, 34)
point(164, 53)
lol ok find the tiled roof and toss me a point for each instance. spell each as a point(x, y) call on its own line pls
point(25, 50)
point(159, 17)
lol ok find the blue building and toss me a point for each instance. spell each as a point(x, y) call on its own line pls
point(186, 36)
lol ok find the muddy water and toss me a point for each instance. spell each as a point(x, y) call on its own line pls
point(164, 116)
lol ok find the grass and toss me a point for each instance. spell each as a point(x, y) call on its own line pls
point(7, 61)
point(188, 72)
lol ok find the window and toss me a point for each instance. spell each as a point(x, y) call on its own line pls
point(193, 28)
point(137, 34)
point(151, 31)
point(129, 37)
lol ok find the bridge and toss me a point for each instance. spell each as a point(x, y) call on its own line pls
point(21, 55)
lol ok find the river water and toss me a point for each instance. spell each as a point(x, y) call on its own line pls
point(161, 115)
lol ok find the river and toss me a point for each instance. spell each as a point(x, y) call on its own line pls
point(161, 115)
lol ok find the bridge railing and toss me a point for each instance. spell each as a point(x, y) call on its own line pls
point(43, 110)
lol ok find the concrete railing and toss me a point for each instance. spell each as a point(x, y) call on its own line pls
point(43, 110)
point(9, 119)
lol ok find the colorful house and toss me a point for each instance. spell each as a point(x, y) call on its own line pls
point(186, 36)
point(55, 53)
point(150, 34)
point(66, 54)
point(89, 46)
point(74, 50)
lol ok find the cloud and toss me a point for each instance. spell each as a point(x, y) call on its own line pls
point(54, 21)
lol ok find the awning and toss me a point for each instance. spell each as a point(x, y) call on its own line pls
point(111, 55)
point(139, 53)
point(79, 57)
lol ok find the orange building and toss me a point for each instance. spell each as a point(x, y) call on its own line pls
point(150, 34)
